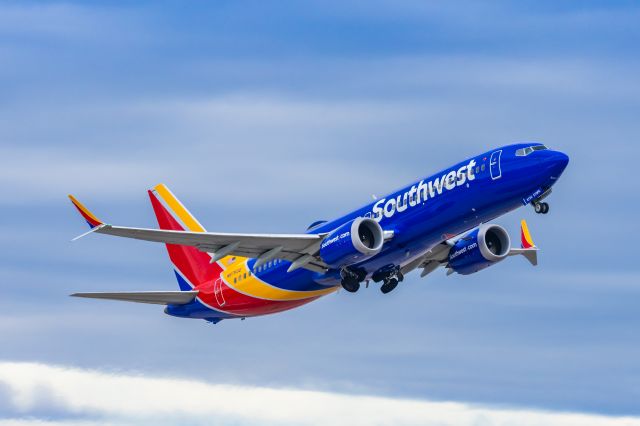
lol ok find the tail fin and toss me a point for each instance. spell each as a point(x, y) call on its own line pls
point(192, 267)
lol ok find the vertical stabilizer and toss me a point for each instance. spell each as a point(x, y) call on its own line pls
point(191, 266)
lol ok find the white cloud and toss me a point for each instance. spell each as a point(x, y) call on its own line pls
point(118, 398)
point(40, 422)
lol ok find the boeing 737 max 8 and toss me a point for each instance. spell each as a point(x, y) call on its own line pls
point(442, 220)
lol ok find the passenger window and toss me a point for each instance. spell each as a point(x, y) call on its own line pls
point(235, 280)
point(482, 167)
point(477, 170)
point(244, 276)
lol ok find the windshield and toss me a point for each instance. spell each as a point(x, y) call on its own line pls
point(523, 152)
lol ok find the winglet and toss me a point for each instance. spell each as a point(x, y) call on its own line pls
point(525, 237)
point(91, 219)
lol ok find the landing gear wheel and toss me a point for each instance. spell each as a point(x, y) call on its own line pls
point(350, 285)
point(389, 285)
point(545, 208)
point(538, 208)
point(541, 208)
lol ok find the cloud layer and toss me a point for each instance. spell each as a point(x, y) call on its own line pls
point(86, 396)
point(265, 116)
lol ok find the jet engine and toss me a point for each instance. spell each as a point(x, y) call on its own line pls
point(352, 242)
point(485, 246)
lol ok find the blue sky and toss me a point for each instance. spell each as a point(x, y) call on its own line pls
point(266, 116)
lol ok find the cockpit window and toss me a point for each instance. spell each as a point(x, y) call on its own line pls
point(523, 152)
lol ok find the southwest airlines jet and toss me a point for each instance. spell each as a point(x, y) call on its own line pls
point(440, 220)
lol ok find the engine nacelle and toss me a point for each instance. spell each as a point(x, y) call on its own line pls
point(352, 242)
point(486, 246)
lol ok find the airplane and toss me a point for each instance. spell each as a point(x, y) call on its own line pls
point(439, 221)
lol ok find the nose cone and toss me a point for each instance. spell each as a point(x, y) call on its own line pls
point(557, 161)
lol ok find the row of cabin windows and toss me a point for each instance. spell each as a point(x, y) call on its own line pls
point(268, 265)
point(259, 269)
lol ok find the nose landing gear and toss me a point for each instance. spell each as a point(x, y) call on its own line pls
point(541, 208)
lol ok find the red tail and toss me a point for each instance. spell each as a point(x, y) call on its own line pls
point(192, 266)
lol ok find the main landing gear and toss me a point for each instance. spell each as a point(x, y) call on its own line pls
point(390, 277)
point(541, 208)
point(351, 279)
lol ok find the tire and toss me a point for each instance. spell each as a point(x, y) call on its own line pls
point(545, 208)
point(538, 207)
point(389, 285)
point(351, 285)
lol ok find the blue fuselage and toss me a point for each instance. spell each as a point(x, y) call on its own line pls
point(436, 208)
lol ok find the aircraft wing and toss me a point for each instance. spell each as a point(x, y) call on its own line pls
point(283, 246)
point(438, 255)
point(300, 249)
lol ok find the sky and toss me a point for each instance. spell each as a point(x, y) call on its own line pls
point(265, 116)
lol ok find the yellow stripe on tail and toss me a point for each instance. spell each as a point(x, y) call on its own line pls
point(178, 209)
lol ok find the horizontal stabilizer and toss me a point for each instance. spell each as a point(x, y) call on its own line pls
point(152, 297)
point(528, 248)
point(531, 254)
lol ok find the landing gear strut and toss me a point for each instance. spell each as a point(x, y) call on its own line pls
point(541, 208)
